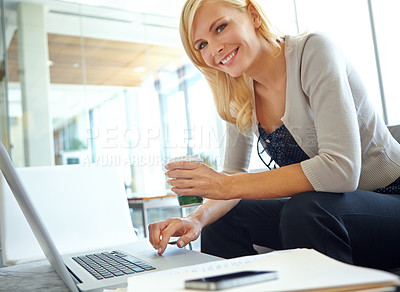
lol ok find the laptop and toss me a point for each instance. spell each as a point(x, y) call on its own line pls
point(77, 248)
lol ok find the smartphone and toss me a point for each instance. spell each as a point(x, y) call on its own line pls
point(231, 280)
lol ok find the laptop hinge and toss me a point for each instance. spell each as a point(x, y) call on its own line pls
point(74, 277)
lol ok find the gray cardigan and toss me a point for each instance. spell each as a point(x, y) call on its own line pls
point(330, 116)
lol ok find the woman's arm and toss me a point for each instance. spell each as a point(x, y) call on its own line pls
point(193, 178)
point(189, 228)
point(334, 135)
point(237, 157)
point(277, 183)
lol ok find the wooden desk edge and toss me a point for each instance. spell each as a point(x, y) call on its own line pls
point(170, 195)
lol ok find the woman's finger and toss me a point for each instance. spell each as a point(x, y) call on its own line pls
point(175, 228)
point(155, 230)
point(182, 165)
point(180, 173)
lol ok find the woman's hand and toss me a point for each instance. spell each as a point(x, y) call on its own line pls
point(189, 178)
point(188, 229)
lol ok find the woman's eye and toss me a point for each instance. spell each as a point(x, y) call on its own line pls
point(202, 45)
point(220, 28)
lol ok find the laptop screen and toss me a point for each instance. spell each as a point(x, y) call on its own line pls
point(33, 218)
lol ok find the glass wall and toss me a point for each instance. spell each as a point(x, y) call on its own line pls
point(387, 23)
point(364, 30)
point(348, 23)
point(4, 122)
point(117, 92)
point(4, 133)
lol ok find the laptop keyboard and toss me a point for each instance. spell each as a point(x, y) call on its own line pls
point(111, 264)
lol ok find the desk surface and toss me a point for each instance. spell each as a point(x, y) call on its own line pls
point(37, 276)
point(169, 195)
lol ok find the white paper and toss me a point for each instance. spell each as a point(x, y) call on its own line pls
point(300, 269)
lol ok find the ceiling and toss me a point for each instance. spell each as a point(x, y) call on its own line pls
point(169, 8)
point(106, 62)
point(124, 41)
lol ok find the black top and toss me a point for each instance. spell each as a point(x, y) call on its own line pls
point(283, 150)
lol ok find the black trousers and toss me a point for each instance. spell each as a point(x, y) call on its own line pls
point(361, 227)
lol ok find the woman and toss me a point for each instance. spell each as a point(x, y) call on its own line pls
point(337, 188)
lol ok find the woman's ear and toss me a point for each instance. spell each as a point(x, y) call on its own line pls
point(254, 15)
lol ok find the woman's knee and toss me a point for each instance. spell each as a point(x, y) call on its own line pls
point(219, 227)
point(307, 214)
point(301, 207)
point(308, 221)
point(224, 238)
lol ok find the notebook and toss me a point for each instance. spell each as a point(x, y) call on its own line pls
point(70, 234)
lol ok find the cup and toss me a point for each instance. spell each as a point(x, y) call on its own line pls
point(188, 201)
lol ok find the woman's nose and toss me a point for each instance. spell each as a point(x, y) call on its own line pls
point(216, 49)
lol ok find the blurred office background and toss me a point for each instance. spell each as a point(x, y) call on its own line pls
point(107, 82)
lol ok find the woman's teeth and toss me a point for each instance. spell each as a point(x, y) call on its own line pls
point(227, 59)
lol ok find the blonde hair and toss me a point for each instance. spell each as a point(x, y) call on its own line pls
point(232, 95)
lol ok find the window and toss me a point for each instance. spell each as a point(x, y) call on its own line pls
point(348, 24)
point(117, 92)
point(387, 22)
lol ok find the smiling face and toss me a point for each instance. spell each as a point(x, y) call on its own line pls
point(226, 37)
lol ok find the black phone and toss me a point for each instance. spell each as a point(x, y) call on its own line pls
point(226, 281)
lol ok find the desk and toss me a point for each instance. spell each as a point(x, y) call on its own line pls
point(36, 276)
point(145, 203)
